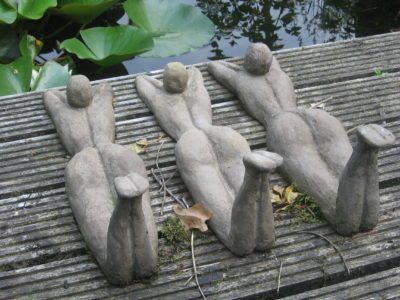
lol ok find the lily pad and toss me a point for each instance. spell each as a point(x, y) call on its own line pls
point(107, 46)
point(29, 9)
point(52, 74)
point(176, 28)
point(34, 9)
point(16, 76)
point(8, 14)
point(83, 11)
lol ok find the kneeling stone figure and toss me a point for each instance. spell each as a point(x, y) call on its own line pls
point(215, 163)
point(106, 183)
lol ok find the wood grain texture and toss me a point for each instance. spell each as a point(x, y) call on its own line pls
point(43, 255)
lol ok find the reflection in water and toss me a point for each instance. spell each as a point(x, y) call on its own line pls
point(281, 24)
point(309, 21)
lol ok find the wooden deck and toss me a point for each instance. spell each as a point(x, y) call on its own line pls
point(43, 255)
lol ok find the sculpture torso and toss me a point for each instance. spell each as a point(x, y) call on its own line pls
point(211, 159)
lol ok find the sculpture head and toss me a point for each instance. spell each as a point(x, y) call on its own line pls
point(79, 91)
point(258, 59)
point(175, 77)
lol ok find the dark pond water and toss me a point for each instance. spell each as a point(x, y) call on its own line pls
point(281, 24)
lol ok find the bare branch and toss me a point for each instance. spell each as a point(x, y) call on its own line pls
point(333, 246)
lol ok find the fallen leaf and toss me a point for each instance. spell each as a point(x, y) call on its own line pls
point(194, 217)
point(278, 190)
point(289, 195)
point(275, 198)
point(139, 146)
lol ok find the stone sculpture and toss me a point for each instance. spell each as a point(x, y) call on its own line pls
point(215, 163)
point(317, 154)
point(106, 183)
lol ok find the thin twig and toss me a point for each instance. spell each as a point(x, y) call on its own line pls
point(333, 246)
point(184, 204)
point(321, 103)
point(189, 280)
point(310, 211)
point(166, 189)
point(194, 266)
point(162, 178)
point(169, 178)
point(279, 277)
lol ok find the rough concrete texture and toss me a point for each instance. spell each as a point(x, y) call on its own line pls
point(106, 183)
point(216, 163)
point(316, 151)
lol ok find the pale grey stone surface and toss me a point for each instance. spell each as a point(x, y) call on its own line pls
point(317, 153)
point(32, 184)
point(106, 183)
point(216, 163)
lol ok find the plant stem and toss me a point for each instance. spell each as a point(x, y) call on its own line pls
point(194, 266)
point(54, 33)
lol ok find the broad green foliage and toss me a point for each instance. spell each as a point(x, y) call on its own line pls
point(83, 11)
point(50, 75)
point(16, 77)
point(29, 9)
point(7, 13)
point(108, 46)
point(159, 28)
point(176, 28)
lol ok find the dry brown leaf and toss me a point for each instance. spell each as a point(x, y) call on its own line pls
point(284, 195)
point(275, 198)
point(278, 190)
point(139, 146)
point(289, 195)
point(194, 217)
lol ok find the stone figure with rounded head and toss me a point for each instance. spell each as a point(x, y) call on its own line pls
point(106, 183)
point(317, 154)
point(215, 162)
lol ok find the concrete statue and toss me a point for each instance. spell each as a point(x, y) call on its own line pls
point(317, 154)
point(106, 183)
point(215, 163)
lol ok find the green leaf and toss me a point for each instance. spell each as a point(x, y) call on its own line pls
point(16, 76)
point(29, 46)
point(176, 28)
point(107, 46)
point(83, 11)
point(34, 9)
point(29, 9)
point(8, 14)
point(9, 49)
point(50, 75)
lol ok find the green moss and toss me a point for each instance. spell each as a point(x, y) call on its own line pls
point(305, 209)
point(174, 233)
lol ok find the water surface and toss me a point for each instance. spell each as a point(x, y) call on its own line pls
point(281, 24)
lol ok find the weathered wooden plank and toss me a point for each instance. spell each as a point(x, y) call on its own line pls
point(382, 285)
point(298, 257)
point(36, 223)
point(128, 132)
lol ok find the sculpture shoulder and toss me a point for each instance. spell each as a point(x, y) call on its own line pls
point(54, 101)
